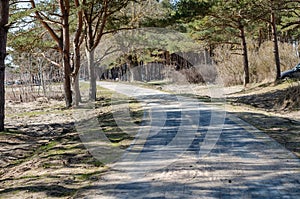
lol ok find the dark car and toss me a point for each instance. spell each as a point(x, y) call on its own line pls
point(9, 83)
point(292, 73)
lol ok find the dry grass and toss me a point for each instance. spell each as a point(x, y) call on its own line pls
point(30, 93)
point(261, 62)
point(42, 153)
point(290, 99)
point(198, 74)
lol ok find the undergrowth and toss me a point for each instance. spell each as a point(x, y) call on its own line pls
point(229, 62)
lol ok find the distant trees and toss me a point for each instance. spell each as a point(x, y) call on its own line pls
point(231, 19)
point(290, 25)
point(235, 22)
point(106, 17)
point(34, 58)
point(4, 15)
point(269, 11)
point(56, 22)
point(100, 18)
point(85, 21)
point(219, 22)
point(212, 23)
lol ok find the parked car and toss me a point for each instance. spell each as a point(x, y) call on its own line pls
point(19, 82)
point(9, 83)
point(293, 73)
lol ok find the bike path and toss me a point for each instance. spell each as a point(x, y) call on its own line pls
point(188, 149)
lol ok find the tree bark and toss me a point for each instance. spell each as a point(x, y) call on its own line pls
point(77, 97)
point(62, 42)
point(4, 15)
point(276, 49)
point(77, 42)
point(245, 57)
point(91, 65)
point(66, 53)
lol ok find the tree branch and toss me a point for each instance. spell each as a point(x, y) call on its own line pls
point(45, 24)
point(51, 61)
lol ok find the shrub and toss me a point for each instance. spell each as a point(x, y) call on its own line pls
point(261, 62)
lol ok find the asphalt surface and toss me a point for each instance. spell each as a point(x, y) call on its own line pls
point(190, 149)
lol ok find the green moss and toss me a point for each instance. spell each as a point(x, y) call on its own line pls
point(158, 83)
point(31, 113)
point(48, 165)
point(19, 161)
point(87, 176)
point(11, 131)
point(93, 161)
point(48, 146)
point(117, 137)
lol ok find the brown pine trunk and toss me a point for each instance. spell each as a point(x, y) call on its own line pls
point(245, 57)
point(4, 14)
point(276, 50)
point(67, 80)
point(63, 43)
point(91, 66)
point(77, 42)
point(66, 54)
point(77, 95)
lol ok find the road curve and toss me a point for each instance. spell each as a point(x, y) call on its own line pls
point(188, 149)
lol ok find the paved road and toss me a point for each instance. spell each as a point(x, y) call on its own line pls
point(187, 149)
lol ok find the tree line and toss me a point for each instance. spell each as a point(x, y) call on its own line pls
point(235, 22)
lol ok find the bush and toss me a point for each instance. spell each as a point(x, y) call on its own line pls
point(204, 73)
point(261, 62)
point(192, 75)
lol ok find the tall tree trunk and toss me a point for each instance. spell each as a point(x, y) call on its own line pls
point(245, 56)
point(42, 78)
point(66, 54)
point(4, 14)
point(91, 65)
point(76, 87)
point(77, 42)
point(63, 43)
point(276, 50)
point(67, 80)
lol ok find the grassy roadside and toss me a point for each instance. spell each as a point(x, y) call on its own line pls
point(43, 157)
